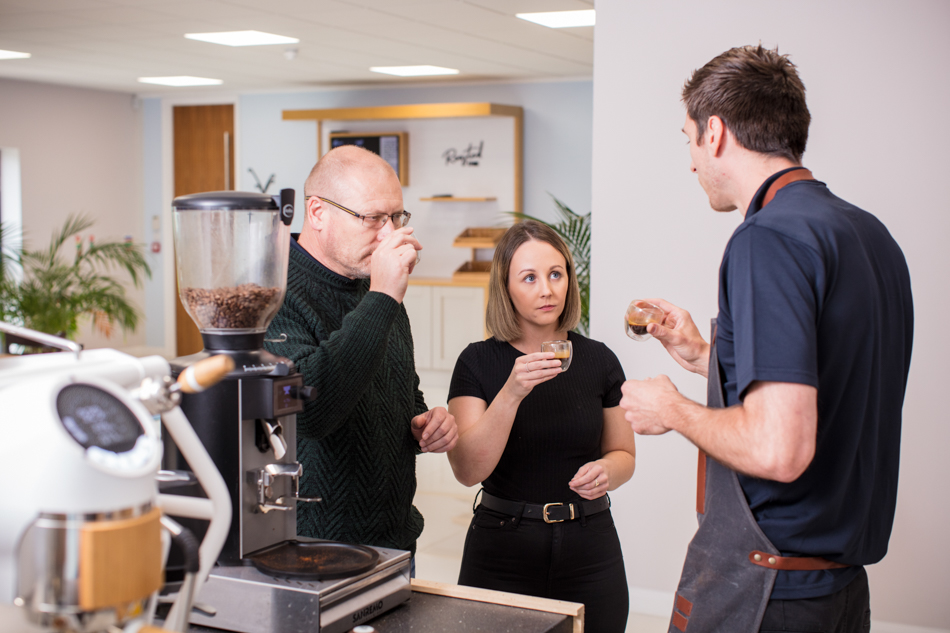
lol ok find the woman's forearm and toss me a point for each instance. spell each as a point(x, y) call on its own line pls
point(483, 435)
point(619, 466)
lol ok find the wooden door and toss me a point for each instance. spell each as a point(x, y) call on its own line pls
point(204, 161)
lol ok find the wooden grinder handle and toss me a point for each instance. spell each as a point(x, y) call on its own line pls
point(205, 373)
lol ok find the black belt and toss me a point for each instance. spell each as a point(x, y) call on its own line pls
point(547, 512)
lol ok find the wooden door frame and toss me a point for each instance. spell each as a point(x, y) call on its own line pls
point(168, 194)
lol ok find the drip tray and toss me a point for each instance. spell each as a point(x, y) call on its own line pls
point(248, 600)
point(315, 560)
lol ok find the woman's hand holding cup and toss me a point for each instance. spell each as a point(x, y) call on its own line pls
point(531, 370)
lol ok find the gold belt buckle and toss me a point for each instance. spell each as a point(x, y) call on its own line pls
point(544, 512)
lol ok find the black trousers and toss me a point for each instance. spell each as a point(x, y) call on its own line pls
point(847, 611)
point(578, 561)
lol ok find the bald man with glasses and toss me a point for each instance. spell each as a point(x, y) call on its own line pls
point(348, 333)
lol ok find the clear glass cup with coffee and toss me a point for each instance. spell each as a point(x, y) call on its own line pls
point(639, 315)
point(563, 351)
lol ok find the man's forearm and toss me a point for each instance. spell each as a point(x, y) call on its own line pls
point(717, 432)
point(770, 435)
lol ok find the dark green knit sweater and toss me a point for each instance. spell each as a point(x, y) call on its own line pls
point(354, 441)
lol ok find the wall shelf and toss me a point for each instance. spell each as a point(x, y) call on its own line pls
point(460, 199)
point(479, 238)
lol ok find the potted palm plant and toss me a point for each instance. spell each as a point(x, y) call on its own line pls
point(575, 229)
point(52, 291)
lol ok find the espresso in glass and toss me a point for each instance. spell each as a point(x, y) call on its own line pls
point(639, 315)
point(563, 351)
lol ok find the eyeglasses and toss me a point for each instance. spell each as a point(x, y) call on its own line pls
point(373, 221)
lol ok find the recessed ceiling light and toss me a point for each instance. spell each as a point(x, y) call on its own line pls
point(560, 19)
point(414, 71)
point(242, 38)
point(182, 80)
point(13, 55)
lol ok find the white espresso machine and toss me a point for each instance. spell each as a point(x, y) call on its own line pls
point(84, 532)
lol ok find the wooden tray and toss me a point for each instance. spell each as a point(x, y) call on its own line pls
point(479, 238)
point(473, 270)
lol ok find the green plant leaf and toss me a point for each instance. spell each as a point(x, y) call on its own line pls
point(57, 290)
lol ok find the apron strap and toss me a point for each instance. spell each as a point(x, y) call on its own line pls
point(793, 563)
point(715, 397)
point(701, 483)
point(784, 179)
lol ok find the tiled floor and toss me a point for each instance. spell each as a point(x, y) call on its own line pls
point(439, 551)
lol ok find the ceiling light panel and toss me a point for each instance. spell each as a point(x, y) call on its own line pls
point(560, 19)
point(242, 38)
point(13, 55)
point(181, 80)
point(414, 71)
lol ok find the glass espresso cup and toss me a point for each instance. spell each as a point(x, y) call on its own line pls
point(639, 315)
point(563, 351)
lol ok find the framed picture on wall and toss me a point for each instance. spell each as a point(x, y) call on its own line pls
point(393, 147)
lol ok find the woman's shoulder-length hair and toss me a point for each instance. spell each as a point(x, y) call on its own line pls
point(501, 318)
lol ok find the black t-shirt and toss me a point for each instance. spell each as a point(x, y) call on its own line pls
point(558, 426)
point(815, 291)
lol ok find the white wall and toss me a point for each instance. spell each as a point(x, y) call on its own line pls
point(879, 96)
point(80, 152)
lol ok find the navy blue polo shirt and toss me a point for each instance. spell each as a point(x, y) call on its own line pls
point(815, 291)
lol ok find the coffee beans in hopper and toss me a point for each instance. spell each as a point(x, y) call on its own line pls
point(238, 307)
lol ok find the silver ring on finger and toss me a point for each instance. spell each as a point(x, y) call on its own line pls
point(596, 483)
point(526, 367)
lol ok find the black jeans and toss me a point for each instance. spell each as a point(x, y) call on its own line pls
point(578, 561)
point(847, 611)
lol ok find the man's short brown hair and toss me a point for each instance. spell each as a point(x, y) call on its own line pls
point(758, 95)
point(501, 318)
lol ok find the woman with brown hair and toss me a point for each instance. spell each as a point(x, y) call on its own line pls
point(545, 445)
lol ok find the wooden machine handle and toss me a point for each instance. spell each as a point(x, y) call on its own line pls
point(205, 373)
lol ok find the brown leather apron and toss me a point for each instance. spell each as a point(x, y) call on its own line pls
point(730, 565)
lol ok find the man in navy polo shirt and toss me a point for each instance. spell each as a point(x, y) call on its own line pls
point(807, 371)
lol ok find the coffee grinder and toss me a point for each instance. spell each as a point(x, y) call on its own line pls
point(232, 251)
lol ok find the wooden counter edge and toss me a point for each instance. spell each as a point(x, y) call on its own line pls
point(573, 609)
point(468, 282)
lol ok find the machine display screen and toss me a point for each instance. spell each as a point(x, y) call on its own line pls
point(94, 417)
point(285, 400)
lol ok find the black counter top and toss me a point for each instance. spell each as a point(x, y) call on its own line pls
point(427, 613)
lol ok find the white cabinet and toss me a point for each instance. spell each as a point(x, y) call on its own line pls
point(458, 318)
point(444, 320)
point(418, 302)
